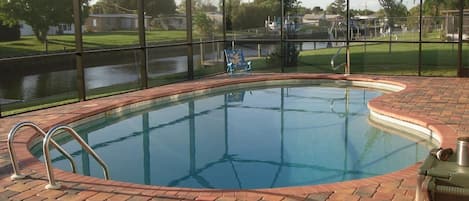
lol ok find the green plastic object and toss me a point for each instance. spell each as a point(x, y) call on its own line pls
point(447, 180)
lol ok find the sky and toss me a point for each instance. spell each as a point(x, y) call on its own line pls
point(354, 4)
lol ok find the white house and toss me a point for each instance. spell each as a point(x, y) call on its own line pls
point(27, 30)
point(110, 22)
point(171, 22)
point(313, 19)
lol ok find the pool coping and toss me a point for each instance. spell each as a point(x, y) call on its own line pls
point(93, 107)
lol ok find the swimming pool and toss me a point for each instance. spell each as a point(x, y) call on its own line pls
point(244, 139)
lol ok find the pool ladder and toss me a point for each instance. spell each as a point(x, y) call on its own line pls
point(333, 65)
point(45, 147)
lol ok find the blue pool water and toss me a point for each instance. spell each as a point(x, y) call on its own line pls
point(259, 138)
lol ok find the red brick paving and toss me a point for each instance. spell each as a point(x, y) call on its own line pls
point(441, 104)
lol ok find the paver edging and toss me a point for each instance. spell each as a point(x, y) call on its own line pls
point(28, 160)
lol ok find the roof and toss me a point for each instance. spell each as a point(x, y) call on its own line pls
point(117, 15)
point(313, 16)
point(465, 11)
point(364, 17)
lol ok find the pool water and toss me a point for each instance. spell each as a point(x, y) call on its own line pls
point(246, 139)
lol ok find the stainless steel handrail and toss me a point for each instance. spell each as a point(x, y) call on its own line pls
point(14, 163)
point(333, 66)
point(45, 148)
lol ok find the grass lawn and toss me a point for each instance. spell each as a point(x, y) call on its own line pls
point(375, 58)
point(28, 45)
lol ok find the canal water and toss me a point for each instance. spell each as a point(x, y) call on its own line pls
point(33, 84)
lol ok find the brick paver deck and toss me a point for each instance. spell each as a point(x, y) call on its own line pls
point(441, 104)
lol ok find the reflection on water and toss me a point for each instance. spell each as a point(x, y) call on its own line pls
point(103, 76)
point(27, 86)
point(260, 138)
point(165, 66)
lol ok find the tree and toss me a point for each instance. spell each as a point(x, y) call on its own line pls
point(291, 6)
point(204, 6)
point(393, 9)
point(39, 14)
point(153, 8)
point(432, 7)
point(338, 7)
point(253, 16)
point(454, 4)
point(243, 15)
point(413, 17)
point(204, 24)
point(250, 15)
point(160, 7)
point(364, 12)
point(114, 7)
point(317, 10)
point(231, 10)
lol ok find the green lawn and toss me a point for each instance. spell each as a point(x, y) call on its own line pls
point(437, 59)
point(28, 45)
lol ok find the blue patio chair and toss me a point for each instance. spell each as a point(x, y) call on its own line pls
point(235, 60)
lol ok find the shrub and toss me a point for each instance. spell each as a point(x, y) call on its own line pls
point(8, 33)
